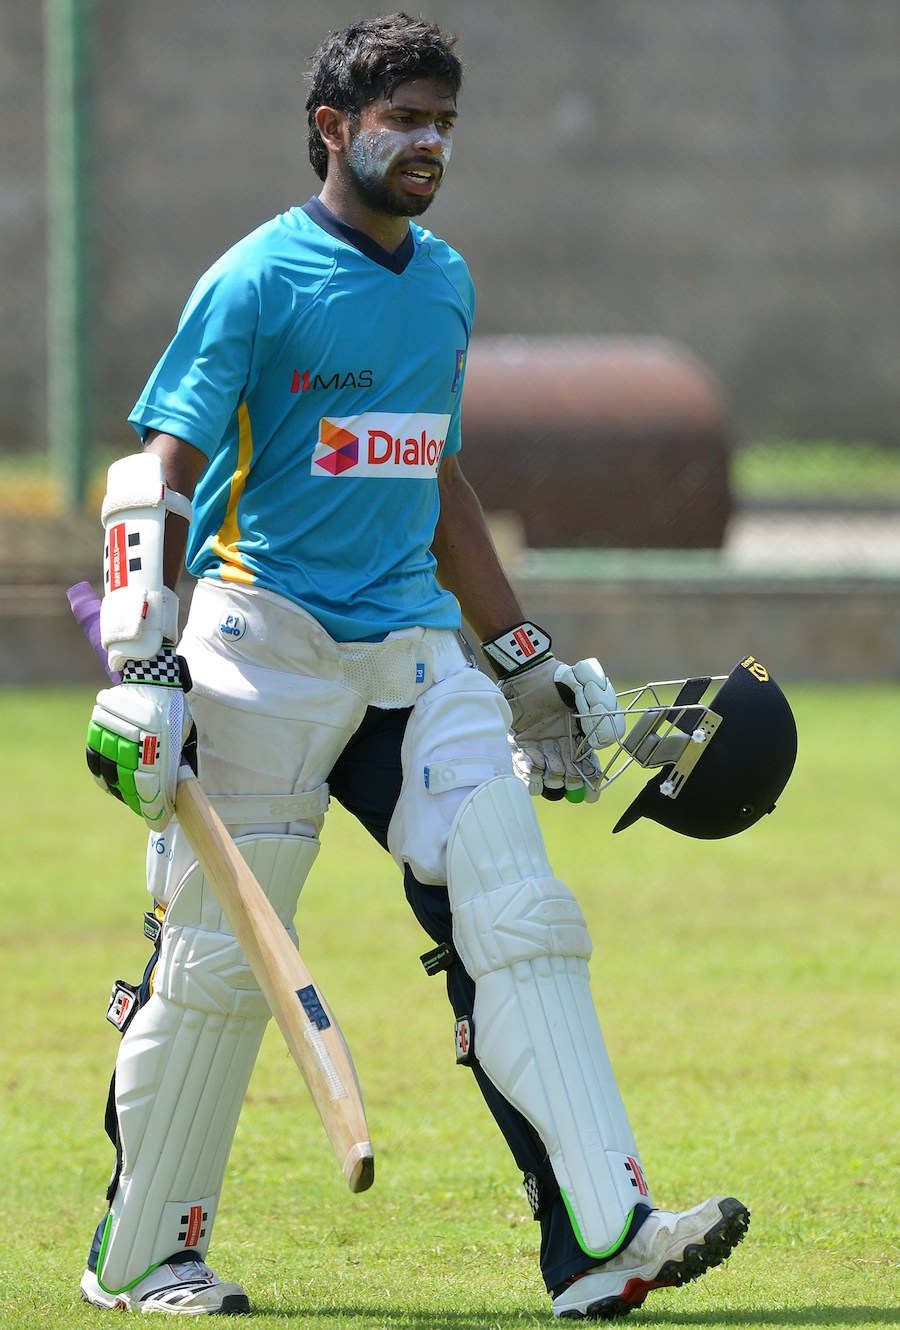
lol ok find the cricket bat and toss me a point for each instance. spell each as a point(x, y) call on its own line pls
point(310, 1030)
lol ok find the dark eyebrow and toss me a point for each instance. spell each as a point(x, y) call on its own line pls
point(450, 112)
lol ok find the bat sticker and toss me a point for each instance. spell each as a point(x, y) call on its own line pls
point(312, 1005)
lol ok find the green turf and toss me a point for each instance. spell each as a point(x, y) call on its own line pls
point(833, 470)
point(749, 995)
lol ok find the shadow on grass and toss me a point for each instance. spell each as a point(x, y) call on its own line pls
point(394, 1317)
point(816, 1315)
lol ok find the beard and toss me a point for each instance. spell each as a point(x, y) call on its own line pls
point(369, 174)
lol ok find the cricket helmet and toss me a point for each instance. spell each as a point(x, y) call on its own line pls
point(721, 765)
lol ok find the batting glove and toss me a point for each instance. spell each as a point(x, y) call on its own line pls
point(544, 696)
point(137, 733)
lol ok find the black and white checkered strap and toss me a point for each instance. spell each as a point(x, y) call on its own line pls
point(541, 1188)
point(166, 670)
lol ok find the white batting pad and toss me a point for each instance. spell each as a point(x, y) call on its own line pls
point(181, 1077)
point(522, 937)
point(456, 737)
point(183, 1069)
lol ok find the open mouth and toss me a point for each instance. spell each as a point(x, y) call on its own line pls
point(421, 180)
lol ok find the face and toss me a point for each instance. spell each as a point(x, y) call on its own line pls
point(399, 149)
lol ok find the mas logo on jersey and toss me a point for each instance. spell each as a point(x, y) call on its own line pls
point(309, 380)
point(381, 444)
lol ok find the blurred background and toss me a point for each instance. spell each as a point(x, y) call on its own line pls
point(683, 221)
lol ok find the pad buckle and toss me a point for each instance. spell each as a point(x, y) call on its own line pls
point(441, 958)
point(465, 1041)
point(124, 1001)
point(152, 927)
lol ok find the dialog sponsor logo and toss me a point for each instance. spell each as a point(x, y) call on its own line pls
point(381, 444)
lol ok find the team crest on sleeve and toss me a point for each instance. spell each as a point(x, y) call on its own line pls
point(458, 372)
point(381, 444)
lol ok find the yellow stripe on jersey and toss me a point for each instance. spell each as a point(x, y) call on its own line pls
point(225, 543)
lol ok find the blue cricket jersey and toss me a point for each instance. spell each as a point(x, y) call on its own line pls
point(322, 377)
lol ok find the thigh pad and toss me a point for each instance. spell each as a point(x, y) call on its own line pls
point(457, 737)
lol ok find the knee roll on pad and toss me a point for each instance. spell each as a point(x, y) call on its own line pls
point(522, 937)
point(200, 963)
point(183, 1069)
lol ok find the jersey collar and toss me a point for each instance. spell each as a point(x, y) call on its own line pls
point(325, 218)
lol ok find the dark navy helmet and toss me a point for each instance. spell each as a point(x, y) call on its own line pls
point(721, 765)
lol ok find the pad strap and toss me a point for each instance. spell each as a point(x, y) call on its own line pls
point(237, 809)
point(165, 670)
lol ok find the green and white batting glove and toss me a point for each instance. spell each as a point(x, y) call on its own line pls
point(544, 695)
point(137, 733)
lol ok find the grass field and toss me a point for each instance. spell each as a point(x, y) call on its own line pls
point(748, 991)
point(821, 470)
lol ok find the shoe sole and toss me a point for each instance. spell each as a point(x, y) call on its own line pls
point(232, 1304)
point(717, 1245)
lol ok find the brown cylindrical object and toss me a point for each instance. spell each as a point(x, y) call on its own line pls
point(597, 442)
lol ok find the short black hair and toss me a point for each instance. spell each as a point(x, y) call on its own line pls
point(370, 59)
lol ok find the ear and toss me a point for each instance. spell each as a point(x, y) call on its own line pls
point(333, 128)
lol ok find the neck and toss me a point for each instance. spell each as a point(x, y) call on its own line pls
point(387, 231)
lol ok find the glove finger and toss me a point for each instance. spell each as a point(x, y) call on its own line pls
point(589, 670)
point(607, 728)
point(154, 807)
point(528, 765)
point(554, 764)
point(98, 766)
point(598, 699)
point(561, 760)
point(589, 768)
point(555, 772)
point(587, 776)
point(109, 774)
point(561, 774)
point(553, 793)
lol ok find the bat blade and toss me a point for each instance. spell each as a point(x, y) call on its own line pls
point(308, 1026)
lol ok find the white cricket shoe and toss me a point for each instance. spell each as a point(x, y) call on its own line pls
point(668, 1249)
point(184, 1285)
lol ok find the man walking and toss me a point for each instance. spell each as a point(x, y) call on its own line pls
point(301, 442)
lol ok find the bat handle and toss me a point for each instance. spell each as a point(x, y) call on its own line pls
point(85, 605)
